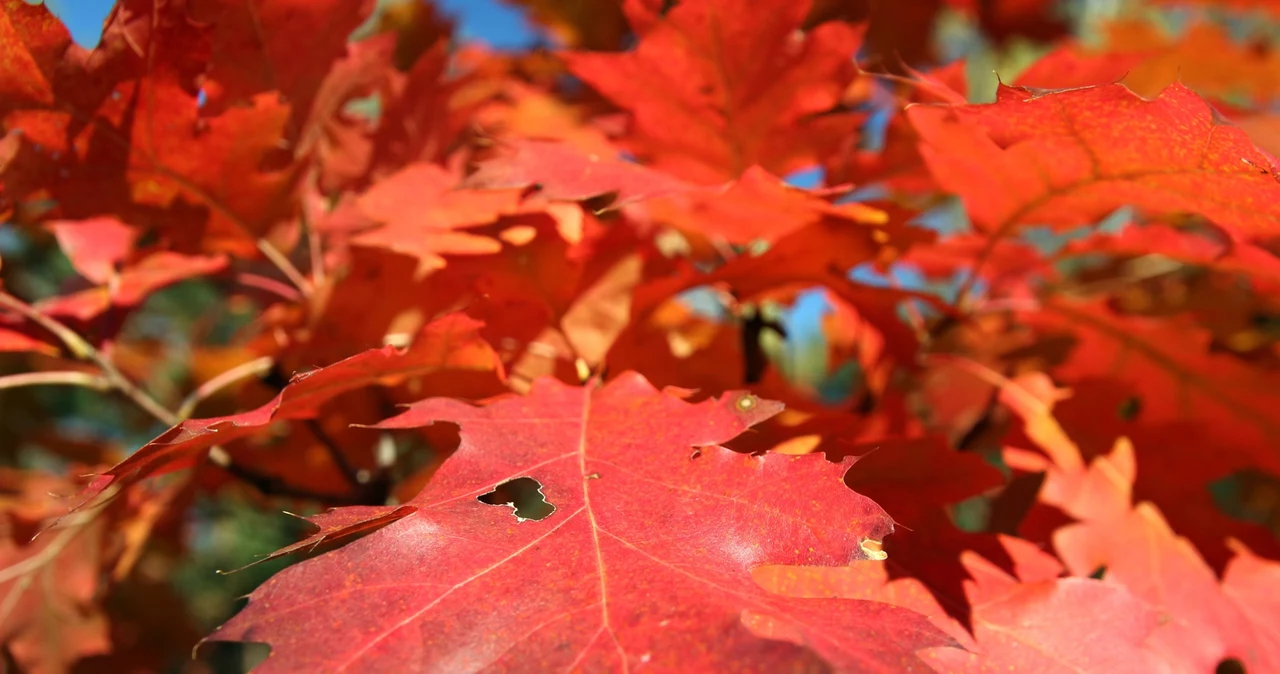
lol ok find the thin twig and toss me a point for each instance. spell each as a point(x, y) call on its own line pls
point(86, 351)
point(24, 571)
point(67, 377)
point(275, 486)
point(349, 472)
point(964, 291)
point(118, 381)
point(314, 249)
point(278, 288)
point(254, 368)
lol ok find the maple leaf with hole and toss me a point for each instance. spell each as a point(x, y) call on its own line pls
point(716, 86)
point(450, 343)
point(1069, 158)
point(642, 557)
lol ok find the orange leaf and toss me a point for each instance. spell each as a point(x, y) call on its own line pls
point(1068, 158)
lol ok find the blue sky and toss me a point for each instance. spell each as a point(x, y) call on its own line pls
point(492, 21)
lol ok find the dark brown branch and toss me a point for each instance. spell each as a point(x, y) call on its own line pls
point(349, 472)
point(270, 485)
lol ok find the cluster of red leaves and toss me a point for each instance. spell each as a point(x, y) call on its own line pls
point(1075, 440)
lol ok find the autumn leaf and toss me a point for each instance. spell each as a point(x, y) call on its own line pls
point(1069, 158)
point(715, 87)
point(1245, 582)
point(1198, 383)
point(587, 526)
point(276, 45)
point(1028, 621)
point(559, 171)
point(1134, 546)
point(1071, 66)
point(1203, 56)
point(53, 615)
point(131, 288)
point(51, 618)
point(1039, 337)
point(16, 341)
point(95, 246)
point(755, 207)
point(1035, 626)
point(87, 134)
point(427, 233)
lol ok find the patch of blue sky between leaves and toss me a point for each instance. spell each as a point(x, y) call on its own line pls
point(806, 178)
point(83, 18)
point(803, 320)
point(499, 25)
point(1051, 243)
point(704, 301)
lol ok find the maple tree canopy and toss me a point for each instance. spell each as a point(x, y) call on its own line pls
point(691, 336)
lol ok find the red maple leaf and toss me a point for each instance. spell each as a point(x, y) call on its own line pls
point(1024, 621)
point(284, 46)
point(1069, 158)
point(120, 129)
point(641, 549)
point(716, 86)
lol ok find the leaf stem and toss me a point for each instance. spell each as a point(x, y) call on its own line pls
point(349, 472)
point(114, 379)
point(86, 351)
point(271, 485)
point(67, 377)
point(254, 368)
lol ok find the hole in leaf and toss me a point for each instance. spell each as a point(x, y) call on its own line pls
point(524, 495)
point(873, 549)
point(1230, 666)
point(1099, 572)
point(1130, 408)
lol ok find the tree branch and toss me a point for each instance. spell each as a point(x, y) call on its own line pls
point(114, 379)
point(67, 377)
point(86, 351)
point(339, 459)
point(253, 368)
